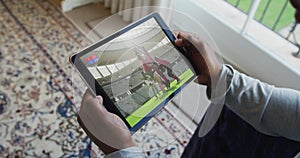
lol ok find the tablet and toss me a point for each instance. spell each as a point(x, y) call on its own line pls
point(136, 70)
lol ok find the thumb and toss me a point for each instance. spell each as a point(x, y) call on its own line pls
point(100, 99)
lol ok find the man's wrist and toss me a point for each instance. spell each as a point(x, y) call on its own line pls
point(220, 83)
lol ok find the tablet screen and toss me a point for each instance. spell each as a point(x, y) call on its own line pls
point(140, 70)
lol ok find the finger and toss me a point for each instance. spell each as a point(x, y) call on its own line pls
point(93, 107)
point(183, 43)
point(179, 42)
point(202, 79)
point(175, 33)
point(186, 39)
point(91, 103)
point(100, 99)
point(193, 38)
point(87, 95)
point(184, 35)
point(189, 37)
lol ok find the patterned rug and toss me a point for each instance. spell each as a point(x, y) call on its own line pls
point(37, 106)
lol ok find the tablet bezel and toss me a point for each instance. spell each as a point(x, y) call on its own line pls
point(98, 90)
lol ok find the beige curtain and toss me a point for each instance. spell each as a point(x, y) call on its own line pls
point(122, 7)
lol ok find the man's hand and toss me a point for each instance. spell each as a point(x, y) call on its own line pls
point(203, 56)
point(105, 129)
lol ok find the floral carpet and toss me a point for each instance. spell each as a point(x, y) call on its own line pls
point(37, 90)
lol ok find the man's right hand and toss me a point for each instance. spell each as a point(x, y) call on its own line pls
point(202, 56)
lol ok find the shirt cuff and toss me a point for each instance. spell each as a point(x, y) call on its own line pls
point(221, 87)
point(130, 152)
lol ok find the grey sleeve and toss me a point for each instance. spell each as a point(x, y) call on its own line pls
point(282, 114)
point(273, 111)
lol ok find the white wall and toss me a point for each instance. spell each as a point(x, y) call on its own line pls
point(240, 51)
